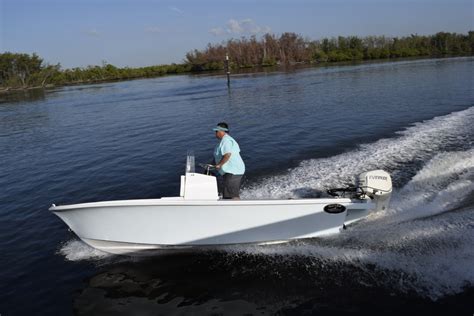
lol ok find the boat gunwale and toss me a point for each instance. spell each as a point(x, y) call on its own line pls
point(221, 202)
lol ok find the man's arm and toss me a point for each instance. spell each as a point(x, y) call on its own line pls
point(224, 159)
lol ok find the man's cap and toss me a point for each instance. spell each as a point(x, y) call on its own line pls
point(220, 128)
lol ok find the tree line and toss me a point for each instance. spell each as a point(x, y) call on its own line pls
point(19, 70)
point(26, 71)
point(292, 48)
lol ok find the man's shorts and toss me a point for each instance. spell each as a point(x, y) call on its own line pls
point(231, 185)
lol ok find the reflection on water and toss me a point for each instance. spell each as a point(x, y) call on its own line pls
point(216, 283)
point(22, 95)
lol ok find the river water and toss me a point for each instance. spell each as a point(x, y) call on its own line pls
point(301, 131)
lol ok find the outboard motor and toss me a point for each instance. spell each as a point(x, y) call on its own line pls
point(377, 185)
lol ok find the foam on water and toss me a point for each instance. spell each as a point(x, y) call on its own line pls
point(423, 241)
point(416, 143)
point(425, 238)
point(76, 250)
point(441, 185)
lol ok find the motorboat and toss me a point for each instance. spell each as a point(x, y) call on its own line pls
point(199, 217)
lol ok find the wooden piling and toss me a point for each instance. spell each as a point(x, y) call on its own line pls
point(227, 68)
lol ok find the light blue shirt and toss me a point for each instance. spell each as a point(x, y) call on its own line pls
point(235, 165)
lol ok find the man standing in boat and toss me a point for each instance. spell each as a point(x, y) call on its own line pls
point(229, 164)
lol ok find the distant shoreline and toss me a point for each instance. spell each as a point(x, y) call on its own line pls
point(257, 69)
point(20, 71)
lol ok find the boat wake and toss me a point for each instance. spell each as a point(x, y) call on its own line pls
point(422, 243)
point(401, 156)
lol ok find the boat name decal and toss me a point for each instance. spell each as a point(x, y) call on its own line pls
point(378, 178)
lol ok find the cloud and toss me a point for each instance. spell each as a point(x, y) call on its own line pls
point(242, 27)
point(234, 27)
point(217, 31)
point(175, 9)
point(153, 30)
point(92, 33)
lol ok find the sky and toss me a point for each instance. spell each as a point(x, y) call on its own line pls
point(77, 33)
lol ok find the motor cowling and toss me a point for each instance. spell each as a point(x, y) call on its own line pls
point(377, 185)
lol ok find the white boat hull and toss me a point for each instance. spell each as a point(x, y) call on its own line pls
point(198, 218)
point(171, 223)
